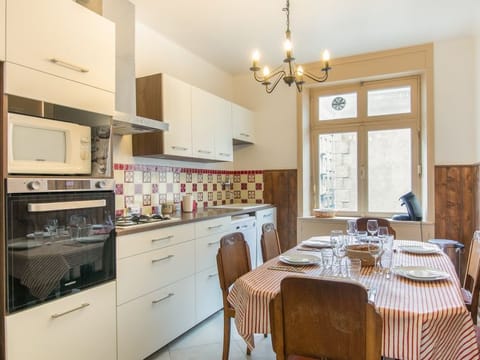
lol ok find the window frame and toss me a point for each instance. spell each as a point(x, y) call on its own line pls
point(361, 125)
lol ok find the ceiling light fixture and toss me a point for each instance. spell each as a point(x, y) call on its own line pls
point(289, 71)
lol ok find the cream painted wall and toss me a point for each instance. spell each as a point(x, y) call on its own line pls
point(275, 125)
point(454, 100)
point(477, 88)
point(156, 54)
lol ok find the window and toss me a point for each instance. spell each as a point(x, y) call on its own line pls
point(365, 144)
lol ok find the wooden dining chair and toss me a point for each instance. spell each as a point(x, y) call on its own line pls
point(269, 242)
point(314, 318)
point(362, 224)
point(233, 261)
point(471, 283)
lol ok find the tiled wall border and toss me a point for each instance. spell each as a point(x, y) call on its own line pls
point(150, 186)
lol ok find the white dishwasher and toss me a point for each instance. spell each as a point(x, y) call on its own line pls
point(247, 226)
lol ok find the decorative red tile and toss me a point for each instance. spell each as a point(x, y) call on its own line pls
point(182, 188)
point(194, 187)
point(205, 187)
point(258, 186)
point(154, 188)
point(119, 189)
point(243, 186)
point(214, 187)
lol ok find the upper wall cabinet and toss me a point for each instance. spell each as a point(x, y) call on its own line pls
point(243, 126)
point(66, 44)
point(2, 30)
point(164, 98)
point(200, 123)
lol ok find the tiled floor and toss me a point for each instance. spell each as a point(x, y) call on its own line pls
point(205, 341)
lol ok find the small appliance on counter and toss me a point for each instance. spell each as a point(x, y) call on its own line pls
point(413, 208)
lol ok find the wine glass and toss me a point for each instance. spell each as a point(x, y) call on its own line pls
point(382, 232)
point(375, 249)
point(352, 228)
point(372, 227)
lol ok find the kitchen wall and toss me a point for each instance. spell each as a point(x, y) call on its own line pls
point(455, 117)
point(477, 86)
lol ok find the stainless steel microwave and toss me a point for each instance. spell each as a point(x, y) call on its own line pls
point(42, 146)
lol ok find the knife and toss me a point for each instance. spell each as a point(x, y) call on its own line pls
point(284, 268)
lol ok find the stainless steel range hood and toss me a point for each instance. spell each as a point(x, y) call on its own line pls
point(124, 124)
point(125, 119)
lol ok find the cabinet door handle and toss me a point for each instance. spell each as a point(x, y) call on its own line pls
point(267, 215)
point(69, 65)
point(163, 298)
point(179, 148)
point(204, 151)
point(212, 275)
point(224, 154)
point(215, 227)
point(57, 315)
point(168, 237)
point(163, 258)
point(213, 243)
point(245, 134)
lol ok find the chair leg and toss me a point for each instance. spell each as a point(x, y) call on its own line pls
point(226, 336)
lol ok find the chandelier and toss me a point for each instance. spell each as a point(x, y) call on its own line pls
point(288, 71)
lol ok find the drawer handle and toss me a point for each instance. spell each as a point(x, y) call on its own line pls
point(69, 65)
point(163, 298)
point(163, 238)
point(267, 215)
point(162, 259)
point(213, 243)
point(179, 148)
point(215, 227)
point(224, 154)
point(212, 275)
point(204, 151)
point(245, 134)
point(57, 315)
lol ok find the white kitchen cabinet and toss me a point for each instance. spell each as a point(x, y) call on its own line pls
point(262, 217)
point(146, 272)
point(2, 30)
point(204, 111)
point(223, 131)
point(66, 54)
point(208, 295)
point(52, 331)
point(63, 39)
point(151, 321)
point(208, 233)
point(243, 125)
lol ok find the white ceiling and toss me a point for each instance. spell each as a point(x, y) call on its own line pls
point(225, 32)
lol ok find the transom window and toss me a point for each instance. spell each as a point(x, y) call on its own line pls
point(365, 141)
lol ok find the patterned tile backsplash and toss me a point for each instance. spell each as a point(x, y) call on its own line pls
point(150, 186)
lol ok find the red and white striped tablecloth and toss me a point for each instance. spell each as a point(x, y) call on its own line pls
point(421, 320)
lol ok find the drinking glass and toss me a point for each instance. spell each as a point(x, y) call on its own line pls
point(382, 231)
point(372, 227)
point(387, 256)
point(352, 228)
point(327, 259)
point(375, 249)
point(362, 236)
point(354, 268)
point(338, 241)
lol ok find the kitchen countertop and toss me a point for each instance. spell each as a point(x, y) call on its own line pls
point(185, 218)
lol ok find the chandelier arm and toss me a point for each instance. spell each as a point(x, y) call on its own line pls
point(299, 86)
point(257, 78)
point(282, 74)
point(316, 78)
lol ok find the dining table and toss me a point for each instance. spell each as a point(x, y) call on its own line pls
point(423, 318)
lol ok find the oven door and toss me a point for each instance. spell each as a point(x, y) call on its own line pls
point(57, 244)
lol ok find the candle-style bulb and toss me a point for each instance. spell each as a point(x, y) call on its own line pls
point(255, 56)
point(287, 45)
point(299, 71)
point(326, 56)
point(266, 71)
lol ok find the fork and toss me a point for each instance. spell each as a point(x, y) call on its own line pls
point(285, 268)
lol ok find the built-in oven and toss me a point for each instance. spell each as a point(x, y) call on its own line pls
point(60, 238)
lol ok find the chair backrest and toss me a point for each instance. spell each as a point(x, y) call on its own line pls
point(319, 318)
point(233, 260)
point(269, 242)
point(362, 224)
point(472, 273)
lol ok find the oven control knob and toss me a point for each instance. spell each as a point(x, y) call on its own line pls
point(34, 185)
point(101, 184)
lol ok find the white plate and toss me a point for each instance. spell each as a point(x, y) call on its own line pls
point(92, 238)
point(318, 242)
point(24, 245)
point(420, 249)
point(421, 273)
point(299, 259)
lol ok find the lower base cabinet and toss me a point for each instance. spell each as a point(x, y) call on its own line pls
point(53, 332)
point(148, 323)
point(208, 295)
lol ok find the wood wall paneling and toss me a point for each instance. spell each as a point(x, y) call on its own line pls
point(456, 204)
point(280, 189)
